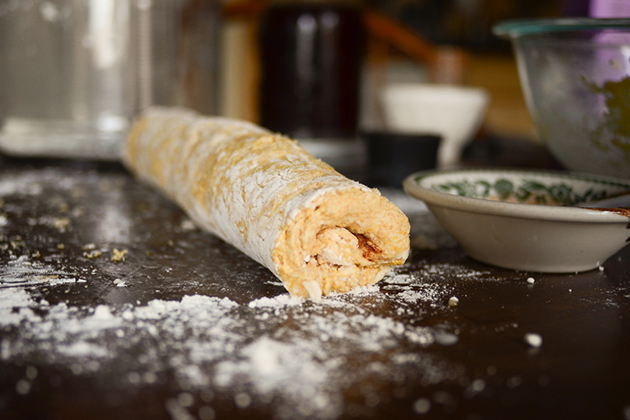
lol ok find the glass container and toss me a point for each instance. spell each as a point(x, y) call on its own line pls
point(76, 72)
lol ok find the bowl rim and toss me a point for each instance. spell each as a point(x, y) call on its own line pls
point(520, 27)
point(411, 186)
point(435, 88)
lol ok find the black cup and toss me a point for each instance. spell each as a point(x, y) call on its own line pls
point(392, 156)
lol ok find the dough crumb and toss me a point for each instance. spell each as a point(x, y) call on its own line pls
point(453, 301)
point(118, 256)
point(61, 223)
point(92, 254)
point(314, 290)
point(530, 280)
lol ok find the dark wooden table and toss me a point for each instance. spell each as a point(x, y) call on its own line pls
point(113, 306)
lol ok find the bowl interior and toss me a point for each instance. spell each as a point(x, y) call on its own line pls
point(523, 187)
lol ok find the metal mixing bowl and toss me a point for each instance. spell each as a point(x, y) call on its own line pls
point(575, 75)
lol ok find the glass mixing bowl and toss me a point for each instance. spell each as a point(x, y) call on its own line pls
point(575, 76)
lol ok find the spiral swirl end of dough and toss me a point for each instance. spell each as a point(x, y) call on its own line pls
point(347, 238)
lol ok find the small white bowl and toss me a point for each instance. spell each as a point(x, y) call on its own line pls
point(453, 112)
point(526, 220)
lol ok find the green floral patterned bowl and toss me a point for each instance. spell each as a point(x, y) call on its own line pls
point(526, 220)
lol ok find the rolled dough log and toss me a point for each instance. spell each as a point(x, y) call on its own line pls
point(315, 229)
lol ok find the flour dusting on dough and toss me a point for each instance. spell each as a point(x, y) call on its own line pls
point(315, 229)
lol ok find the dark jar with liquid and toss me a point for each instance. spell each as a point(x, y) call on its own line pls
point(311, 56)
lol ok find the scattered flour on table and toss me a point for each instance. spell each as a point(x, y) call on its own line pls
point(33, 183)
point(26, 272)
point(300, 355)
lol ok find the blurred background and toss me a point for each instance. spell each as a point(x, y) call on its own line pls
point(78, 72)
point(460, 49)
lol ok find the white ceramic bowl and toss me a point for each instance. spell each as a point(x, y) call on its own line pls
point(526, 220)
point(454, 112)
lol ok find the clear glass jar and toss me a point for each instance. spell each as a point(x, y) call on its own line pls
point(76, 72)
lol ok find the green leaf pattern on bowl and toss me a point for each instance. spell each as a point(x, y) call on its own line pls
point(527, 191)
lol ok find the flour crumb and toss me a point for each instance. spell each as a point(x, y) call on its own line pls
point(102, 312)
point(176, 410)
point(276, 302)
point(31, 372)
point(422, 406)
point(23, 387)
point(206, 413)
point(445, 338)
point(477, 386)
point(60, 223)
point(120, 283)
point(188, 225)
point(78, 211)
point(533, 340)
point(185, 399)
point(242, 400)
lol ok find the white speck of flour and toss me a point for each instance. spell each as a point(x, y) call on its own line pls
point(533, 340)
